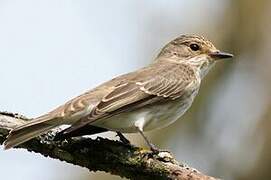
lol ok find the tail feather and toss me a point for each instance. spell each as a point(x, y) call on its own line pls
point(30, 130)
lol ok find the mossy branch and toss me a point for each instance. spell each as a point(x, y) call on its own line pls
point(103, 155)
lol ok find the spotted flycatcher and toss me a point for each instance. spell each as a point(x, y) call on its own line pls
point(149, 98)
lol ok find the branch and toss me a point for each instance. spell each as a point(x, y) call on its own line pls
point(103, 155)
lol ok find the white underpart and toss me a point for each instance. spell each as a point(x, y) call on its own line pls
point(203, 63)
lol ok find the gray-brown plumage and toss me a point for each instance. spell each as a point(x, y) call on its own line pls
point(146, 99)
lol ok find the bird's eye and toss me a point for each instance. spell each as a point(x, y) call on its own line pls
point(194, 47)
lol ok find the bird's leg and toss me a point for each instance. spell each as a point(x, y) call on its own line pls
point(123, 138)
point(153, 148)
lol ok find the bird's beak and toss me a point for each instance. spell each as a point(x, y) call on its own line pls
point(220, 55)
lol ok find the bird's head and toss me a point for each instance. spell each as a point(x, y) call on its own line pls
point(194, 50)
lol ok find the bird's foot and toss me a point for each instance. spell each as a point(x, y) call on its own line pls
point(156, 150)
point(160, 154)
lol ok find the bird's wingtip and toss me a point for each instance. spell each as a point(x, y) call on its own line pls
point(6, 145)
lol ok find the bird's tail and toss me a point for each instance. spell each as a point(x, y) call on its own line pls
point(30, 130)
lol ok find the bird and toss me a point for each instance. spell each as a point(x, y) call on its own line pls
point(149, 98)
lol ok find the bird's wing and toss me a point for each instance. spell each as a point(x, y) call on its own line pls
point(155, 84)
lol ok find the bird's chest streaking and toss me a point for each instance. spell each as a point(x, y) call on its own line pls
point(152, 117)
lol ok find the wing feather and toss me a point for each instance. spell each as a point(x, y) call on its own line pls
point(138, 91)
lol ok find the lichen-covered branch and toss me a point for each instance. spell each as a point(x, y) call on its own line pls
point(103, 155)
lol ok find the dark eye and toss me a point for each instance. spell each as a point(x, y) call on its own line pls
point(194, 47)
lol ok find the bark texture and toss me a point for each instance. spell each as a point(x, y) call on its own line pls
point(103, 155)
